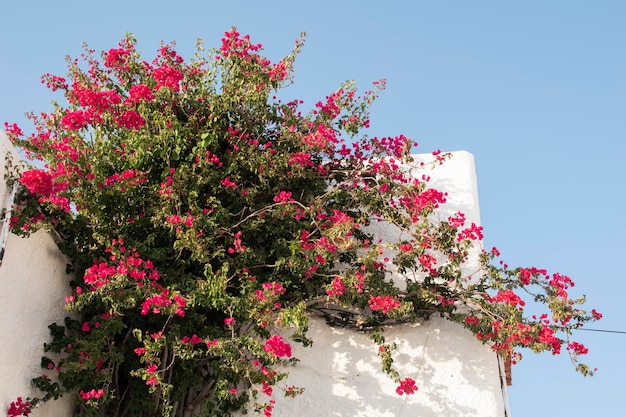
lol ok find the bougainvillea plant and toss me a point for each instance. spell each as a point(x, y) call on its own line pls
point(203, 216)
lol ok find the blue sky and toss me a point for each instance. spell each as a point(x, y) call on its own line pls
point(535, 90)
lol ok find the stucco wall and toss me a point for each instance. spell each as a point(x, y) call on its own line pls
point(33, 287)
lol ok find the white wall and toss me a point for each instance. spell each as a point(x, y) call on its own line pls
point(33, 287)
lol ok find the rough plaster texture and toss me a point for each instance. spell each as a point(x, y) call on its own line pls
point(456, 374)
point(33, 287)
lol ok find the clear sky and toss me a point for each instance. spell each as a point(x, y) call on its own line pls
point(536, 90)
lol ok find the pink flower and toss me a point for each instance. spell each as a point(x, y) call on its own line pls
point(302, 159)
point(116, 58)
point(578, 348)
point(130, 119)
point(13, 129)
point(283, 197)
point(405, 247)
point(229, 321)
point(226, 182)
point(596, 315)
point(237, 244)
point(383, 303)
point(472, 233)
point(168, 77)
point(337, 288)
point(92, 394)
point(138, 93)
point(508, 297)
point(74, 120)
point(546, 336)
point(37, 181)
point(407, 386)
point(194, 339)
point(267, 389)
point(277, 346)
point(156, 303)
point(19, 408)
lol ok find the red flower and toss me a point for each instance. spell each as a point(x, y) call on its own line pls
point(75, 120)
point(130, 119)
point(407, 386)
point(194, 339)
point(283, 197)
point(405, 247)
point(383, 303)
point(19, 408)
point(226, 182)
point(578, 348)
point(276, 345)
point(37, 181)
point(596, 315)
point(167, 77)
point(138, 93)
point(92, 394)
point(116, 58)
point(337, 288)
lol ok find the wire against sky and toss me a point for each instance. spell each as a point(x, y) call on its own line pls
point(603, 331)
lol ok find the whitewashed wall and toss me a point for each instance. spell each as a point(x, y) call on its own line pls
point(33, 287)
point(457, 376)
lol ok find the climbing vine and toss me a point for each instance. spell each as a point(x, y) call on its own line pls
point(203, 217)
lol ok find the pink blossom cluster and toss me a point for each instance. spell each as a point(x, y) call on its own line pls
point(419, 203)
point(472, 233)
point(193, 340)
point(127, 263)
point(276, 345)
point(525, 274)
point(508, 297)
point(226, 169)
point(163, 300)
point(407, 386)
point(95, 394)
point(168, 77)
point(37, 182)
point(19, 408)
point(337, 288)
point(238, 246)
point(384, 303)
point(233, 43)
point(283, 197)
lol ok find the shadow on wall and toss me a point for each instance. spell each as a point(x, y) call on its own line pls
point(456, 375)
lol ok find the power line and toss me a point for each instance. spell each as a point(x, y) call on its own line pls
point(603, 331)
